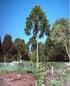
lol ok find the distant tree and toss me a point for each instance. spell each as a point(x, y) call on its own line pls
point(1, 52)
point(6, 45)
point(19, 43)
point(20, 46)
point(37, 25)
point(12, 53)
point(55, 53)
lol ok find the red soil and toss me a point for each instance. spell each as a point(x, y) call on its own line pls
point(17, 79)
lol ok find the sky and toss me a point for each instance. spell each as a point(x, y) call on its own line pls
point(13, 14)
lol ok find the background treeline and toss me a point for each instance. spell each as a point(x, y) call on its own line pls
point(56, 47)
point(10, 51)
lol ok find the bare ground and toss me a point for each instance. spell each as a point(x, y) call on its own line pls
point(17, 79)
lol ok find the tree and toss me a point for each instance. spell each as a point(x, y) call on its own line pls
point(20, 46)
point(59, 35)
point(1, 52)
point(54, 51)
point(6, 45)
point(37, 25)
point(19, 43)
point(12, 53)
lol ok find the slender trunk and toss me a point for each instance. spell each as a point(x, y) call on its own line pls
point(20, 58)
point(69, 43)
point(37, 55)
point(65, 44)
point(4, 60)
point(52, 70)
point(67, 48)
point(36, 83)
point(69, 56)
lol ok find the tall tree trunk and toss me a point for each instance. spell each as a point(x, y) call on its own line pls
point(37, 65)
point(67, 49)
point(69, 43)
point(19, 57)
point(4, 60)
point(52, 70)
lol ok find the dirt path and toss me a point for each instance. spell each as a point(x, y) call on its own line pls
point(17, 79)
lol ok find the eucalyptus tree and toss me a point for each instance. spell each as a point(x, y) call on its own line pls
point(37, 25)
point(60, 34)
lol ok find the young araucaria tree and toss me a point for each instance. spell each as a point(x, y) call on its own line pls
point(37, 25)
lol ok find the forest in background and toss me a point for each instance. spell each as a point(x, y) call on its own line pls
point(55, 48)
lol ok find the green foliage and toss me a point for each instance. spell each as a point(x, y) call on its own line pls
point(6, 46)
point(7, 43)
point(54, 83)
point(1, 52)
point(57, 44)
point(19, 43)
point(42, 55)
point(60, 33)
point(33, 56)
point(37, 22)
point(40, 75)
point(22, 49)
point(13, 53)
point(56, 54)
point(12, 50)
point(56, 65)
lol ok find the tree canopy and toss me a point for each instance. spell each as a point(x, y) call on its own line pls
point(37, 21)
